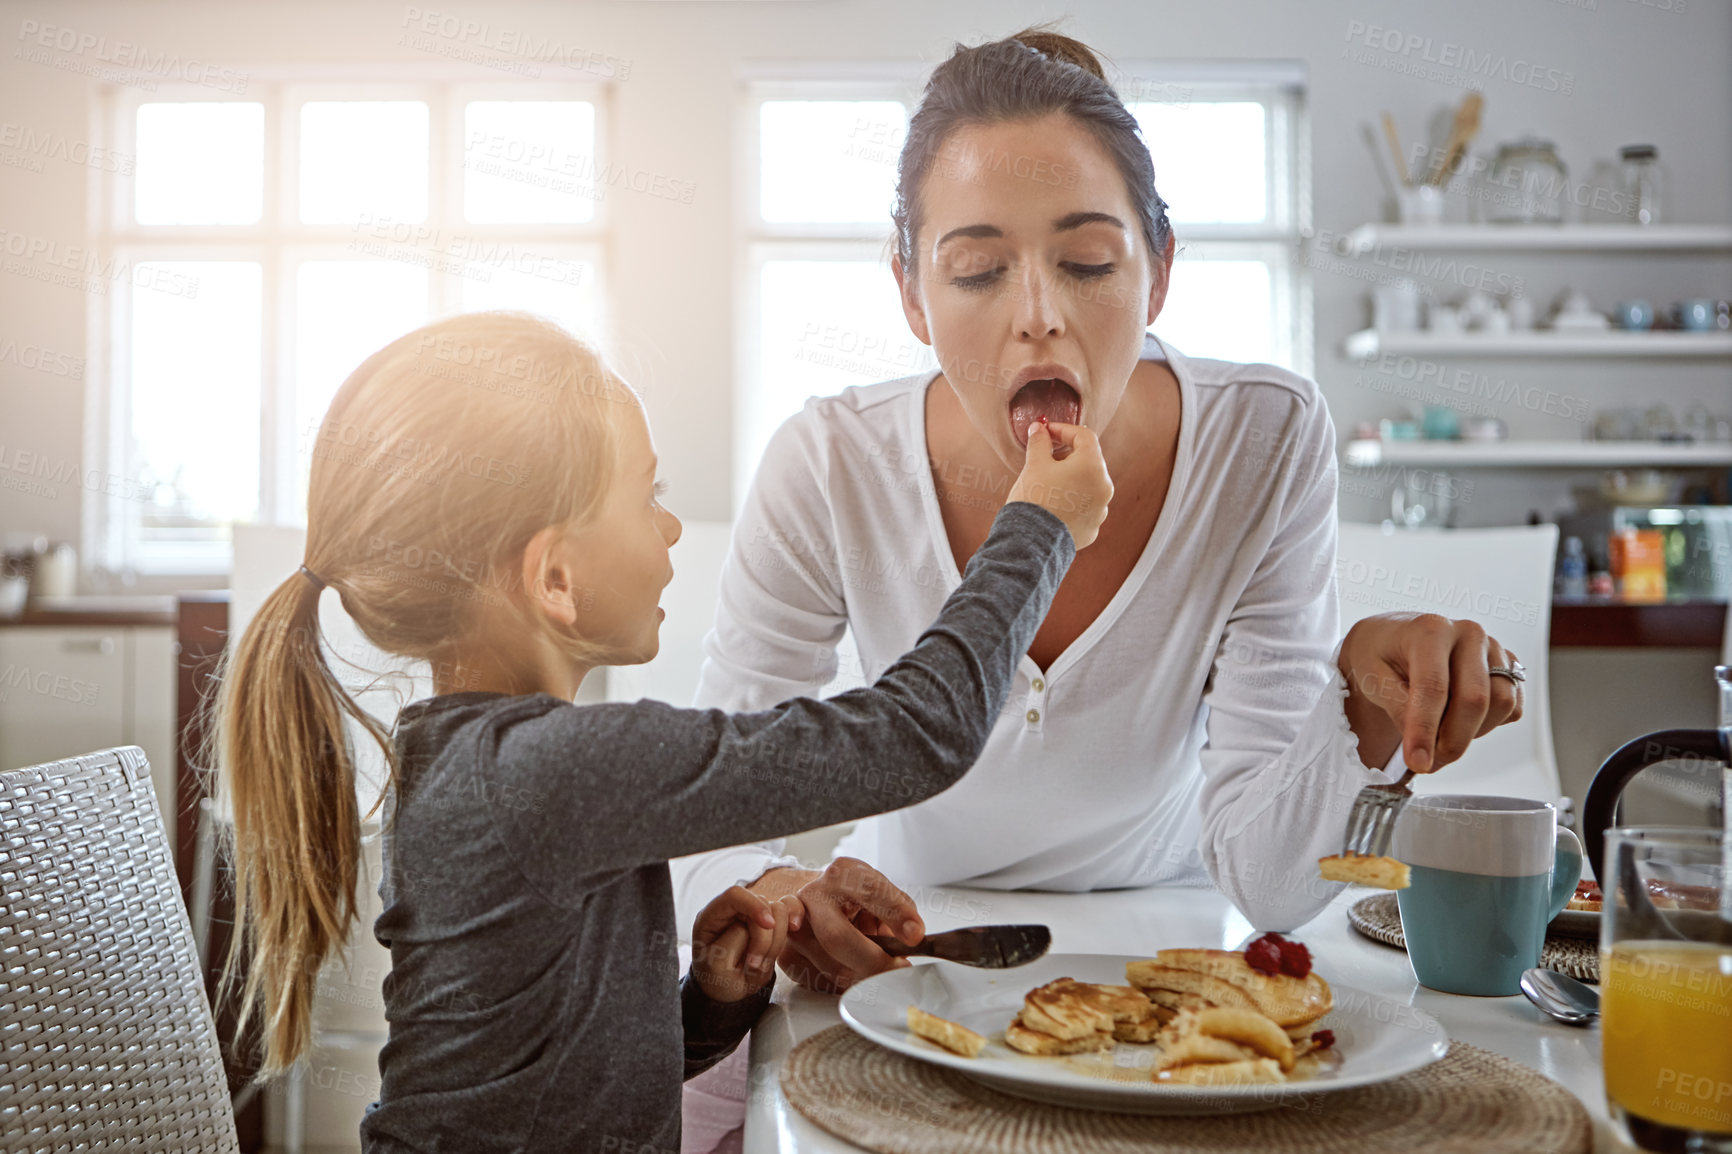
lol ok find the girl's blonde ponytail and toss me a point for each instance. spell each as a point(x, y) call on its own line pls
point(289, 778)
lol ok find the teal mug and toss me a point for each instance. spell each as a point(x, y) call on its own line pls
point(1488, 875)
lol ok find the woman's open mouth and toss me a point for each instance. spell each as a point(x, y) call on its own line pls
point(1047, 399)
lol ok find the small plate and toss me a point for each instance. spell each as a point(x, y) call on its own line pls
point(1583, 924)
point(1378, 1038)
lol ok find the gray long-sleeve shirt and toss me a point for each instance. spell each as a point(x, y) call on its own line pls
point(534, 998)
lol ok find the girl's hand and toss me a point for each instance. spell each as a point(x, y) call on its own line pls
point(737, 939)
point(1422, 681)
point(1065, 473)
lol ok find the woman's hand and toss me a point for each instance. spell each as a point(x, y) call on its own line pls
point(845, 902)
point(1423, 682)
point(737, 939)
point(1065, 473)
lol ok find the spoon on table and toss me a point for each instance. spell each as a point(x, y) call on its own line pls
point(1561, 996)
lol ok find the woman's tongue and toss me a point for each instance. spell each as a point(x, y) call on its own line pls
point(1049, 399)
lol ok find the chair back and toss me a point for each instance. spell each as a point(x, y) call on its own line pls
point(106, 1037)
point(1501, 578)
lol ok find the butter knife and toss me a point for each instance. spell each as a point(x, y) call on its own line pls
point(989, 947)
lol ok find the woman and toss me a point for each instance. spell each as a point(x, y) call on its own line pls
point(1184, 715)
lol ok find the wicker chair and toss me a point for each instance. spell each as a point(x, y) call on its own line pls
point(106, 1038)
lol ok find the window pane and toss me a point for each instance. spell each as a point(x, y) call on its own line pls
point(200, 163)
point(562, 290)
point(826, 325)
point(530, 160)
point(1222, 309)
point(195, 397)
point(345, 311)
point(829, 161)
point(1210, 160)
point(363, 158)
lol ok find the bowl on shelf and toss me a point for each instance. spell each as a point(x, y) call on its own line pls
point(1635, 486)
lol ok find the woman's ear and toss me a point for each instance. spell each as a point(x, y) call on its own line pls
point(913, 307)
point(550, 575)
point(1158, 284)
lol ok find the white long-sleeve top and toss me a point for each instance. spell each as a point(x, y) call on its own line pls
point(1194, 732)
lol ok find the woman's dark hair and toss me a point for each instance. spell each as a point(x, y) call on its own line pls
point(1035, 73)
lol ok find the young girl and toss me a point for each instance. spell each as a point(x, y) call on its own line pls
point(483, 497)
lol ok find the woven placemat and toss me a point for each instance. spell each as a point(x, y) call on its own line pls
point(1379, 918)
point(1471, 1102)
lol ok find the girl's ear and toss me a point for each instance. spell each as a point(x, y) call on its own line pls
point(550, 575)
point(913, 307)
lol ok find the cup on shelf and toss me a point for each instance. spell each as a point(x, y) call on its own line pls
point(1521, 312)
point(1636, 316)
point(1443, 319)
point(1421, 205)
point(1440, 423)
point(1395, 306)
point(1697, 316)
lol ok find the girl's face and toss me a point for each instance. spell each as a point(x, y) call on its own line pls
point(618, 563)
point(1034, 284)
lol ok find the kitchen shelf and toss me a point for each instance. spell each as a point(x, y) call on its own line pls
point(1365, 454)
point(1549, 238)
point(1368, 343)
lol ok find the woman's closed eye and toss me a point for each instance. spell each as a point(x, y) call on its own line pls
point(986, 279)
point(658, 491)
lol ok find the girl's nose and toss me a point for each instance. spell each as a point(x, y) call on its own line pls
point(671, 529)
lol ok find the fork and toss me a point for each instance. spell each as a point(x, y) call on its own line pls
point(1371, 821)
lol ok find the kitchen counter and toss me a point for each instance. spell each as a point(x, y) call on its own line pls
point(1143, 921)
point(101, 612)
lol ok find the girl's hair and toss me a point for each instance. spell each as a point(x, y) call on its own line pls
point(1035, 73)
point(438, 460)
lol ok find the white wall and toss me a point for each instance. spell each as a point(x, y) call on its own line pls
point(1638, 72)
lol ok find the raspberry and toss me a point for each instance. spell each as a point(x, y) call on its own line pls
point(1264, 956)
point(1323, 1039)
point(1295, 959)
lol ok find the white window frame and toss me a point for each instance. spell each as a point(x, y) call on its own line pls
point(280, 243)
point(1278, 85)
point(763, 241)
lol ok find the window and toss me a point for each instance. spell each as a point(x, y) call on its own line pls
point(262, 248)
point(819, 310)
point(819, 306)
point(1229, 150)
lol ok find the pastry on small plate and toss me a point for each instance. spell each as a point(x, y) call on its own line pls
point(1384, 873)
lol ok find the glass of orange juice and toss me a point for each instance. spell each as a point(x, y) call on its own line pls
point(1666, 988)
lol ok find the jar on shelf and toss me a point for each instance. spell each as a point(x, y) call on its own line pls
point(1526, 184)
point(1644, 184)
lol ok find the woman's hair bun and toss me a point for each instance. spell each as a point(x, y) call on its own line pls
point(1061, 47)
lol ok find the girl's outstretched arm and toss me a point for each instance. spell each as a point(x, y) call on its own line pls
point(599, 788)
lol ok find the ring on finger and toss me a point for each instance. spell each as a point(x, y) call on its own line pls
point(1515, 671)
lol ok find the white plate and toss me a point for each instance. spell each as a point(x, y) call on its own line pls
point(1378, 1038)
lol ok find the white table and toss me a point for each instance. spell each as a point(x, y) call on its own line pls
point(1143, 921)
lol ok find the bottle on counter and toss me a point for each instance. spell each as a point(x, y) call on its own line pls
point(1600, 583)
point(1573, 569)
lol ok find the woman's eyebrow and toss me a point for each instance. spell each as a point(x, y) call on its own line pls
point(1064, 223)
point(1078, 219)
point(971, 230)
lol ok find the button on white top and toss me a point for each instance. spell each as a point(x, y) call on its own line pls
point(1037, 685)
point(1033, 716)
